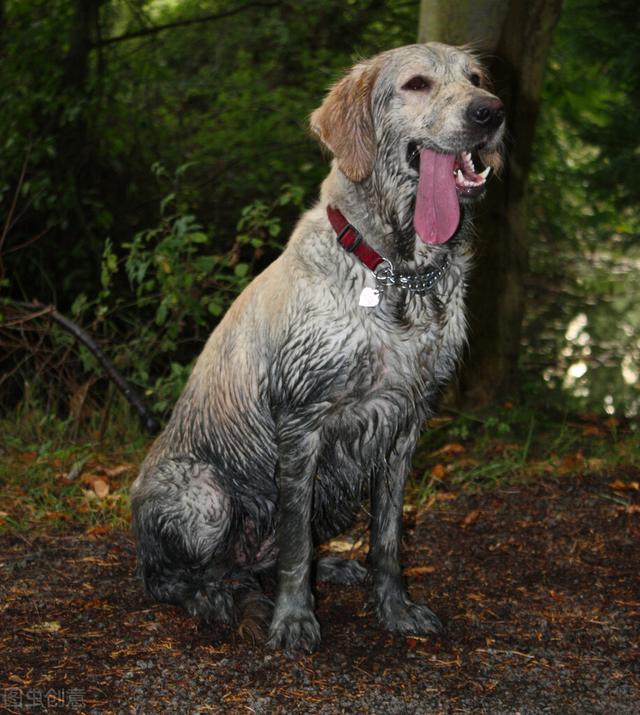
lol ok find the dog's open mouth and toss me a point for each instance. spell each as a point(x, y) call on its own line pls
point(469, 183)
point(444, 181)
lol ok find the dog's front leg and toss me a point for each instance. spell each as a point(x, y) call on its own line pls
point(396, 611)
point(294, 626)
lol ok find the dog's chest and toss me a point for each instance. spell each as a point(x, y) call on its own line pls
point(411, 346)
point(390, 371)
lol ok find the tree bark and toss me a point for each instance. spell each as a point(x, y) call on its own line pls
point(83, 28)
point(516, 38)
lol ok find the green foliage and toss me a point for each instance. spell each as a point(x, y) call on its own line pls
point(179, 286)
point(583, 319)
point(163, 154)
point(511, 444)
point(140, 177)
point(46, 475)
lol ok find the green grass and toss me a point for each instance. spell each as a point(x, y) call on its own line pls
point(49, 468)
point(484, 449)
point(48, 472)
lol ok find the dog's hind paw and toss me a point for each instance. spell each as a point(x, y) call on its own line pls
point(207, 606)
point(345, 572)
point(255, 613)
point(295, 633)
point(408, 618)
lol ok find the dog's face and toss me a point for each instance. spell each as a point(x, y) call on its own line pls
point(420, 112)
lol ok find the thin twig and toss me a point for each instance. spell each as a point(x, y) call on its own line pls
point(14, 202)
point(496, 651)
point(45, 310)
point(26, 243)
point(149, 420)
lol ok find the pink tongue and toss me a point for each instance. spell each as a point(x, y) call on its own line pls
point(437, 213)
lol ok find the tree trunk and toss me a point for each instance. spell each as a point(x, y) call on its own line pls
point(83, 29)
point(74, 151)
point(516, 36)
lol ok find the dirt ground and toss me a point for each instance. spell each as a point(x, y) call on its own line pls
point(538, 584)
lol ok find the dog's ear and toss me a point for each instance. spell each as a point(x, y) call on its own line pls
point(344, 122)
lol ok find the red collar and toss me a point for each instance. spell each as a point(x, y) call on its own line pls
point(386, 276)
point(352, 241)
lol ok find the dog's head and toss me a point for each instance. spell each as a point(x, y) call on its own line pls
point(419, 112)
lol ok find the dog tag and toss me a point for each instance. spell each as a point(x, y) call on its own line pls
point(369, 297)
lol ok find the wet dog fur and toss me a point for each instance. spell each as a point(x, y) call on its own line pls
point(303, 404)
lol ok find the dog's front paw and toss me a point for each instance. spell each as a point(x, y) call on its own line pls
point(399, 614)
point(295, 632)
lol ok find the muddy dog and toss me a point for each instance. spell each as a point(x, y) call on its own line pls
point(310, 395)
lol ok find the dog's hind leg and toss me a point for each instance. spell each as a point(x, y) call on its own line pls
point(182, 518)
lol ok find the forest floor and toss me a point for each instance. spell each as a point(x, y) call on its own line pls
point(537, 583)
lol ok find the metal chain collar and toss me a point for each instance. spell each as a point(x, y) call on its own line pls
point(421, 282)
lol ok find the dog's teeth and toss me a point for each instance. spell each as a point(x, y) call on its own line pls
point(459, 176)
point(485, 174)
point(468, 161)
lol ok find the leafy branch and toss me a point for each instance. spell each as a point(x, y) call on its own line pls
point(183, 23)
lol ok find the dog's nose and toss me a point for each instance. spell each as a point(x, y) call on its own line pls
point(486, 112)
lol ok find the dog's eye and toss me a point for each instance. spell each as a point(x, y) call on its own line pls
point(417, 84)
point(474, 79)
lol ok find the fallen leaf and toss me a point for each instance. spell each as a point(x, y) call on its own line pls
point(99, 485)
point(98, 530)
point(619, 485)
point(345, 543)
point(556, 596)
point(446, 496)
point(570, 463)
point(46, 627)
point(56, 515)
point(438, 421)
point(470, 518)
point(451, 448)
point(417, 570)
point(438, 471)
point(101, 488)
point(119, 469)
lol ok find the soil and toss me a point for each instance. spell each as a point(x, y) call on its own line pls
point(538, 585)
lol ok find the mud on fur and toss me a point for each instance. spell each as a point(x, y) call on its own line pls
point(304, 404)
